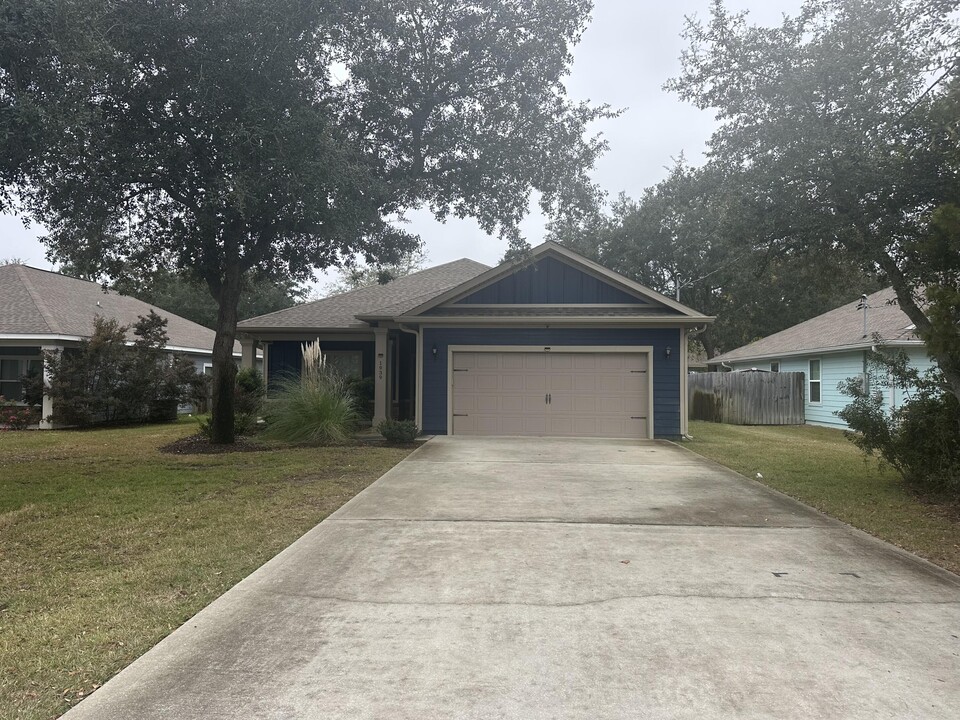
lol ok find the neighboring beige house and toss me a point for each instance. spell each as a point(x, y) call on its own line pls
point(42, 310)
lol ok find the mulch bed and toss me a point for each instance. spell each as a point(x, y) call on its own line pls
point(199, 445)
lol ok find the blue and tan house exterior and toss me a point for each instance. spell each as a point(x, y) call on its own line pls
point(552, 345)
point(833, 347)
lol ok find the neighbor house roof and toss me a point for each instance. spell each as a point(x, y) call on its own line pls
point(395, 298)
point(42, 304)
point(838, 329)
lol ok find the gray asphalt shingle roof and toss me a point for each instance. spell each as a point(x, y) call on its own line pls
point(390, 300)
point(39, 302)
point(838, 328)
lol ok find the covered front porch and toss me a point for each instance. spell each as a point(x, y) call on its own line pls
point(385, 358)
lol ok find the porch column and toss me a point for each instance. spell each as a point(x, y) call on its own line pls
point(248, 353)
point(47, 410)
point(380, 370)
point(266, 367)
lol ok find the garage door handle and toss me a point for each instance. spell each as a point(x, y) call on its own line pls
point(548, 398)
point(461, 415)
point(638, 417)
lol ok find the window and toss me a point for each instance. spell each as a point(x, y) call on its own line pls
point(12, 369)
point(775, 366)
point(814, 381)
point(347, 363)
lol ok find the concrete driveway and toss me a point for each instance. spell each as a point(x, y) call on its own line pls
point(533, 578)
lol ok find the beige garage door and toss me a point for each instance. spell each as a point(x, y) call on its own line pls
point(551, 394)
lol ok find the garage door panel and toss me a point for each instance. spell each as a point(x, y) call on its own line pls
point(535, 383)
point(487, 382)
point(511, 382)
point(591, 394)
point(533, 361)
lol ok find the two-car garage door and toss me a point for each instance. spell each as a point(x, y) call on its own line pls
point(574, 394)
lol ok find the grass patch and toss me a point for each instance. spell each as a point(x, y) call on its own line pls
point(107, 545)
point(823, 469)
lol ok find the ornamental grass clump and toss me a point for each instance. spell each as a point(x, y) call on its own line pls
point(317, 407)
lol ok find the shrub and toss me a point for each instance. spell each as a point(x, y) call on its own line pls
point(921, 438)
point(398, 431)
point(14, 416)
point(317, 407)
point(363, 391)
point(107, 381)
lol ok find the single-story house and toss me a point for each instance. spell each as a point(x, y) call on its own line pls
point(833, 347)
point(553, 345)
point(42, 310)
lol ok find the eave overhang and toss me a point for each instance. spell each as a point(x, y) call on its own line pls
point(817, 351)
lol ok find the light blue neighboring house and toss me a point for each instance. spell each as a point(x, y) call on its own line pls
point(832, 347)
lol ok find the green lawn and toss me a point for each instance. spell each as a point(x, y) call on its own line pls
point(106, 544)
point(820, 467)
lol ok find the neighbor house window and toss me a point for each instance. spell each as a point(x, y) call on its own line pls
point(775, 366)
point(814, 381)
point(12, 370)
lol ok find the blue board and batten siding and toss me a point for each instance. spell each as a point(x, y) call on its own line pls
point(835, 369)
point(666, 370)
point(550, 282)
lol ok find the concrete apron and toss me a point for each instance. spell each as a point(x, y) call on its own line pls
point(547, 578)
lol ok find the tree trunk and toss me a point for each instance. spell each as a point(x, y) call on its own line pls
point(951, 373)
point(224, 365)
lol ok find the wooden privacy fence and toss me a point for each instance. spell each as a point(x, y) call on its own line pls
point(747, 398)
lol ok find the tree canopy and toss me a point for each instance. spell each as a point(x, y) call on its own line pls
point(243, 138)
point(685, 238)
point(837, 135)
point(184, 295)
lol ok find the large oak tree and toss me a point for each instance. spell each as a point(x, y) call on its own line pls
point(838, 133)
point(248, 139)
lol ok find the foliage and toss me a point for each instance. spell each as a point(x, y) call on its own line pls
point(353, 277)
point(316, 407)
point(250, 391)
point(183, 294)
point(921, 438)
point(106, 380)
point(838, 133)
point(398, 431)
point(685, 238)
point(14, 416)
point(318, 411)
point(363, 391)
point(245, 138)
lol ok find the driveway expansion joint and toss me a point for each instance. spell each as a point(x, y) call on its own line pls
point(615, 599)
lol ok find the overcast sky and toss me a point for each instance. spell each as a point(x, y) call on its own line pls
point(629, 50)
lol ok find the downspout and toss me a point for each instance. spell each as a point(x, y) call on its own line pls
point(418, 411)
point(685, 435)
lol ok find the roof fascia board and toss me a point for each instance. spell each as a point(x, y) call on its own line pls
point(49, 339)
point(817, 351)
point(276, 334)
point(446, 320)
